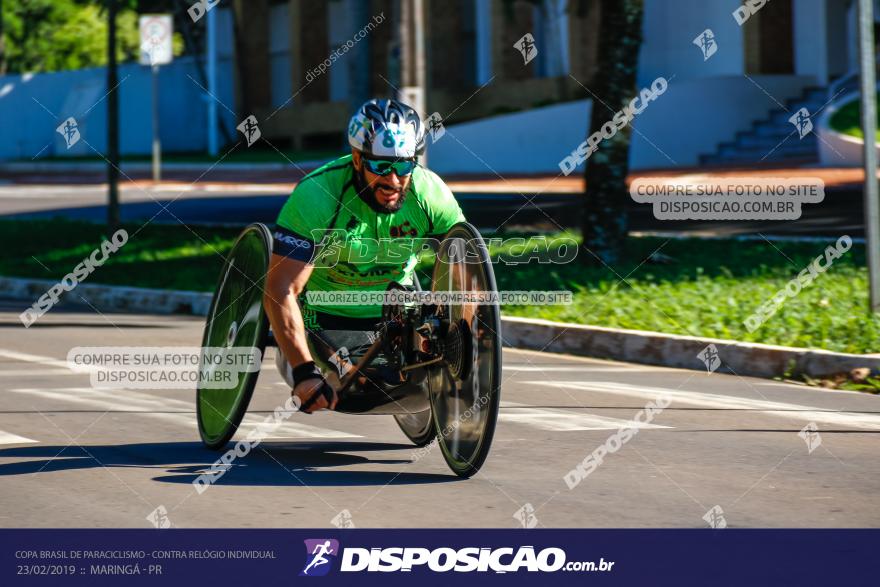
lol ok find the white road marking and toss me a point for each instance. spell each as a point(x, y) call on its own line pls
point(39, 359)
point(9, 438)
point(563, 420)
point(33, 372)
point(171, 410)
point(153, 406)
point(289, 429)
point(712, 400)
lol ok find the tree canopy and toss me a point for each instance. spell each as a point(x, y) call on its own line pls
point(55, 35)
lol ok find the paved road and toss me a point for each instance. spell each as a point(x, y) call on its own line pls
point(840, 212)
point(72, 456)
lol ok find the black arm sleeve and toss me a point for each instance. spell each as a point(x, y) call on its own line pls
point(291, 245)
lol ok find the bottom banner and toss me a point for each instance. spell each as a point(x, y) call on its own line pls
point(605, 557)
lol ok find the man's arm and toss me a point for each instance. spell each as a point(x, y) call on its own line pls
point(311, 206)
point(286, 280)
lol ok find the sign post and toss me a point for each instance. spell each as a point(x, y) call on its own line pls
point(156, 49)
point(867, 62)
point(112, 122)
point(211, 50)
point(412, 53)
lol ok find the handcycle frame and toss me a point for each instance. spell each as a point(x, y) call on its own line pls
point(442, 363)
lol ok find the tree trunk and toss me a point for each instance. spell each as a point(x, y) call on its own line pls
point(605, 220)
point(2, 43)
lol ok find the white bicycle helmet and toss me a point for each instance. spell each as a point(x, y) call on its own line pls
point(387, 128)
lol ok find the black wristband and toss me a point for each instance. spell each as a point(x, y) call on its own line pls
point(306, 371)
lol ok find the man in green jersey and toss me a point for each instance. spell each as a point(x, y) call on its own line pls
point(376, 194)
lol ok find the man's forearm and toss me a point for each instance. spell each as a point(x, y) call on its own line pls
point(289, 328)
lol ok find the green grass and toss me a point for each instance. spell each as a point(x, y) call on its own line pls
point(160, 256)
point(870, 385)
point(848, 120)
point(710, 289)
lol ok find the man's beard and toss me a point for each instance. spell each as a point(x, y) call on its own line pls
point(368, 195)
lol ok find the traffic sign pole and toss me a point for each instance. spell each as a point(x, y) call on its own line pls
point(869, 130)
point(156, 49)
point(112, 122)
point(213, 147)
point(157, 144)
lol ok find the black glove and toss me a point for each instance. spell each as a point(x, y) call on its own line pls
point(309, 370)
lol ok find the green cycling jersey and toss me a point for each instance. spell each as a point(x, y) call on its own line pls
point(353, 247)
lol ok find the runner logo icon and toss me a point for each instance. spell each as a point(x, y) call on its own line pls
point(320, 553)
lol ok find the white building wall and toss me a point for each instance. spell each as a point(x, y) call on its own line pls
point(483, 20)
point(669, 28)
point(810, 39)
point(534, 141)
point(694, 116)
point(551, 31)
point(28, 129)
point(690, 119)
point(707, 102)
point(341, 27)
point(280, 85)
point(31, 130)
point(837, 44)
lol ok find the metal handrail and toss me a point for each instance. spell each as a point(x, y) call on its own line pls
point(846, 83)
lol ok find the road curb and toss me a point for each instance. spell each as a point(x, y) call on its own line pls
point(672, 350)
point(111, 298)
point(633, 346)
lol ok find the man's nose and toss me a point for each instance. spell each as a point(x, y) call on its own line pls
point(394, 178)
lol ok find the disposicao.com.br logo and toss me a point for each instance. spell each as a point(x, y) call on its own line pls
point(444, 559)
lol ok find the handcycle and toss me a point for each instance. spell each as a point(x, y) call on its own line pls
point(436, 367)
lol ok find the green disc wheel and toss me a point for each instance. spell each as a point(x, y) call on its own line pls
point(465, 388)
point(236, 319)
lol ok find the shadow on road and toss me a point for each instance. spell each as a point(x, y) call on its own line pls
point(269, 464)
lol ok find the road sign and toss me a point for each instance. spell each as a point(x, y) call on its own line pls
point(156, 32)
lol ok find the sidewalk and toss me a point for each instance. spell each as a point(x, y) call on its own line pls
point(282, 178)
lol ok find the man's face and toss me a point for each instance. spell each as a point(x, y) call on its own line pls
point(388, 190)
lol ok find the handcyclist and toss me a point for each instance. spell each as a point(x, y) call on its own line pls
point(377, 192)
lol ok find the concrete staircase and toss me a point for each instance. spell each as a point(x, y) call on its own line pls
point(763, 143)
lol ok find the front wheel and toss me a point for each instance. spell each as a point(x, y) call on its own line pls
point(465, 388)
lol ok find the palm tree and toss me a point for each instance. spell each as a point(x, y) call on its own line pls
point(604, 224)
